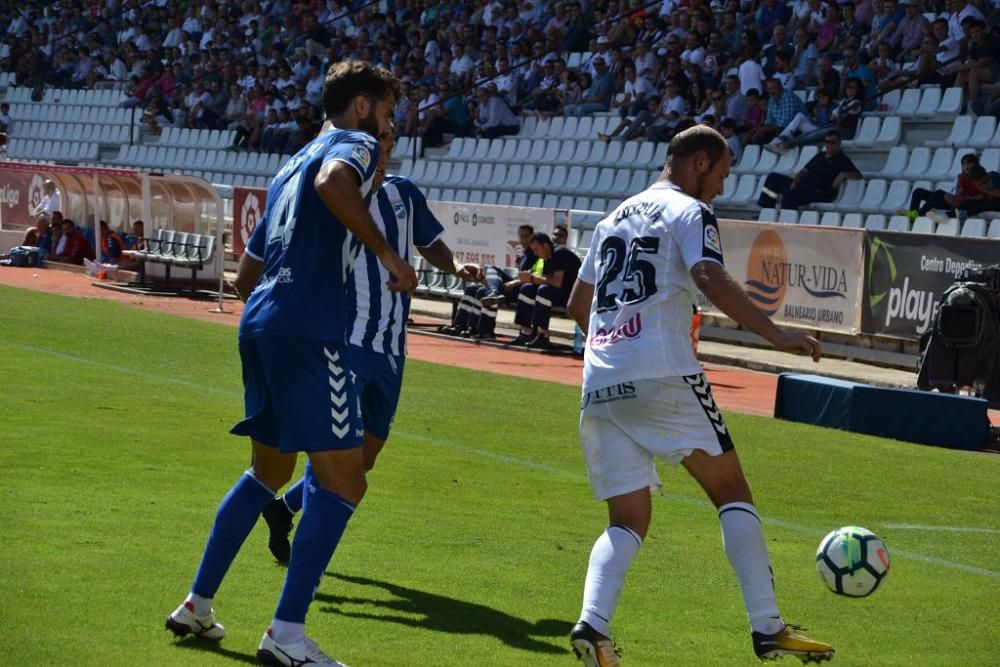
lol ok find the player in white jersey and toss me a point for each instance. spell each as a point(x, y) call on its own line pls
point(645, 395)
point(376, 330)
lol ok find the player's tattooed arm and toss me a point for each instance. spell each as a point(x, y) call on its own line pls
point(719, 287)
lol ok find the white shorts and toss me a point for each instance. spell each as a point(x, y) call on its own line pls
point(625, 426)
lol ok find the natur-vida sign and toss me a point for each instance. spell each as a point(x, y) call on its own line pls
point(807, 277)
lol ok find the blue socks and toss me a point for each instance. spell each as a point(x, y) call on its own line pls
point(324, 519)
point(293, 496)
point(236, 517)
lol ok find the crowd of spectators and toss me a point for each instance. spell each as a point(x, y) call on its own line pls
point(476, 67)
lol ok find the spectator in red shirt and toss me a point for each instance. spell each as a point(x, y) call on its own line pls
point(76, 248)
point(923, 200)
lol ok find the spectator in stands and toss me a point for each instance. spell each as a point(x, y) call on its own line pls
point(5, 120)
point(854, 68)
point(818, 181)
point(450, 115)
point(923, 200)
point(804, 57)
point(906, 39)
point(812, 129)
point(981, 62)
point(598, 96)
point(637, 89)
point(884, 23)
point(674, 115)
point(476, 315)
point(3, 146)
point(112, 244)
point(781, 109)
point(750, 72)
point(736, 102)
point(783, 71)
point(539, 293)
point(627, 129)
point(74, 248)
point(756, 111)
point(989, 194)
point(50, 201)
point(727, 128)
point(494, 117)
point(827, 76)
point(883, 65)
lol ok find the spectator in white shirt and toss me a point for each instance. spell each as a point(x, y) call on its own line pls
point(50, 202)
point(693, 52)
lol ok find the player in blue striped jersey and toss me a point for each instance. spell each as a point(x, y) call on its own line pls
point(376, 332)
point(299, 396)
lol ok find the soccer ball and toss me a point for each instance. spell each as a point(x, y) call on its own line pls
point(852, 561)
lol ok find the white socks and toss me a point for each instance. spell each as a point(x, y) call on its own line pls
point(609, 561)
point(200, 606)
point(743, 540)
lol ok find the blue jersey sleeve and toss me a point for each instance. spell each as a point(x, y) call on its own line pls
point(358, 150)
point(426, 228)
point(257, 242)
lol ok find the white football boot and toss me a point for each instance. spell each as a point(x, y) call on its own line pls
point(300, 654)
point(183, 622)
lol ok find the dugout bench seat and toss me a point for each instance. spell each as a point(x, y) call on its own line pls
point(176, 249)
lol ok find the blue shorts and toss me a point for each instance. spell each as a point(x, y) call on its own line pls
point(299, 395)
point(378, 379)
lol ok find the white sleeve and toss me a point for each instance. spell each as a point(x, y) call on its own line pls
point(697, 234)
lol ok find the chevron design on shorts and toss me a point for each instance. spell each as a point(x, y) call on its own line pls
point(340, 413)
point(703, 392)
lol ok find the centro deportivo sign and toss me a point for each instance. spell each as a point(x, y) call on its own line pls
point(905, 275)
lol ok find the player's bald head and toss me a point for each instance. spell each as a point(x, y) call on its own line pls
point(694, 140)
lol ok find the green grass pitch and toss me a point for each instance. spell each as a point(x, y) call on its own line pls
point(471, 546)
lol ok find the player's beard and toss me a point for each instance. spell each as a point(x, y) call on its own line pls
point(369, 123)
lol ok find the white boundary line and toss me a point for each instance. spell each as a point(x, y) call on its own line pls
point(510, 460)
point(942, 529)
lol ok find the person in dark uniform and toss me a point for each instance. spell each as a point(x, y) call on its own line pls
point(539, 293)
point(476, 315)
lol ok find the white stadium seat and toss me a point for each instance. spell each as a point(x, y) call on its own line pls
point(897, 197)
point(923, 225)
point(895, 163)
point(940, 166)
point(948, 228)
point(961, 130)
point(767, 215)
point(830, 219)
point(875, 222)
point(809, 218)
point(866, 134)
point(974, 227)
point(875, 192)
point(788, 216)
point(898, 223)
point(853, 220)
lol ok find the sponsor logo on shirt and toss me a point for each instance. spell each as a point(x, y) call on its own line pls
point(362, 156)
point(628, 331)
point(713, 241)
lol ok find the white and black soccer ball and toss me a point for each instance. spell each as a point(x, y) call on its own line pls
point(852, 561)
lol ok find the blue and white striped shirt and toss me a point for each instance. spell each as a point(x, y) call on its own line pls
point(379, 316)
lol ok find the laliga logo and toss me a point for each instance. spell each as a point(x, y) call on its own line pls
point(35, 192)
point(9, 196)
point(249, 215)
point(766, 252)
